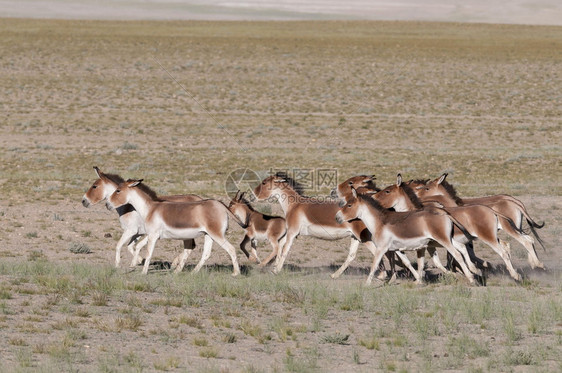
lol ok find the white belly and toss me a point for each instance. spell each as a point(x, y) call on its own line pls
point(407, 244)
point(325, 233)
point(261, 237)
point(182, 234)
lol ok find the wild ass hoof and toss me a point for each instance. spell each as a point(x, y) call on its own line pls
point(382, 275)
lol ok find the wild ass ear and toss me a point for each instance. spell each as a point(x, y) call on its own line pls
point(236, 196)
point(241, 196)
point(98, 172)
point(398, 180)
point(353, 192)
point(134, 183)
point(442, 178)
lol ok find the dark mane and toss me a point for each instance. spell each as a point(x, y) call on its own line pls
point(145, 188)
point(452, 192)
point(371, 183)
point(246, 202)
point(372, 202)
point(413, 198)
point(295, 185)
point(388, 216)
point(115, 178)
point(418, 181)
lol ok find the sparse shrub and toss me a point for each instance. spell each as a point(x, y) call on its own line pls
point(209, 353)
point(170, 363)
point(201, 342)
point(370, 344)
point(99, 298)
point(229, 338)
point(79, 248)
point(35, 255)
point(16, 341)
point(518, 358)
point(339, 339)
point(129, 322)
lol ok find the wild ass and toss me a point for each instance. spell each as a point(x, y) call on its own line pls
point(412, 230)
point(365, 185)
point(131, 221)
point(177, 220)
point(309, 216)
point(508, 206)
point(480, 221)
point(259, 227)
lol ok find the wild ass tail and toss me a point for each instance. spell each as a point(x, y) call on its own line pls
point(523, 209)
point(532, 224)
point(461, 227)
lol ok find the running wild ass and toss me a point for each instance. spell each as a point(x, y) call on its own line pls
point(480, 221)
point(310, 216)
point(509, 207)
point(177, 220)
point(131, 221)
point(259, 227)
point(392, 231)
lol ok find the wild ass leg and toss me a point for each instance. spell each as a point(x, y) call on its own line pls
point(458, 257)
point(350, 257)
point(227, 246)
point(137, 259)
point(463, 250)
point(408, 265)
point(291, 235)
point(504, 254)
point(207, 246)
point(253, 245)
point(421, 263)
point(243, 244)
point(277, 247)
point(151, 244)
point(188, 246)
point(524, 239)
point(432, 251)
point(376, 262)
point(127, 237)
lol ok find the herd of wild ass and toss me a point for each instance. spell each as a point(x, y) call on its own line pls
point(418, 215)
